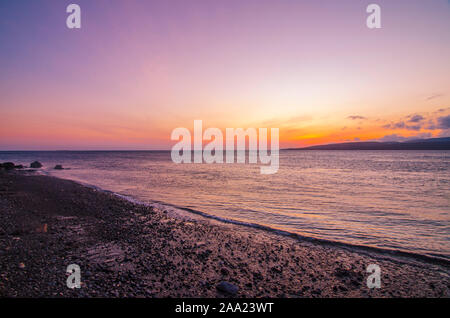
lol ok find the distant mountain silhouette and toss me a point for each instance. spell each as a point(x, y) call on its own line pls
point(417, 144)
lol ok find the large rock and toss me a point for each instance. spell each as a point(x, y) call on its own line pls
point(36, 164)
point(58, 167)
point(8, 165)
point(228, 288)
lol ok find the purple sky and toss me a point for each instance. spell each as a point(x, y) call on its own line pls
point(138, 69)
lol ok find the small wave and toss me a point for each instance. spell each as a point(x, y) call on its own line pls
point(435, 258)
point(179, 211)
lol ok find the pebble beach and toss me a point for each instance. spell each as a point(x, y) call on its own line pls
point(131, 250)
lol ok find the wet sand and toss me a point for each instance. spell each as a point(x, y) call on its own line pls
point(130, 250)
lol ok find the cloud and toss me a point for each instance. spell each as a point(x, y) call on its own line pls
point(402, 125)
point(441, 110)
point(356, 117)
point(431, 125)
point(444, 122)
point(434, 96)
point(416, 118)
point(398, 138)
point(393, 137)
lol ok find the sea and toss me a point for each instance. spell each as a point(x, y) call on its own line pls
point(395, 201)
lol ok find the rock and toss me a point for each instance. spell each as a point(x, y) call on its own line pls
point(277, 269)
point(343, 288)
point(228, 288)
point(258, 276)
point(18, 167)
point(8, 165)
point(36, 164)
point(341, 272)
point(204, 254)
point(58, 167)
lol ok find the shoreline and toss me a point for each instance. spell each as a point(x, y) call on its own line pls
point(192, 214)
point(114, 240)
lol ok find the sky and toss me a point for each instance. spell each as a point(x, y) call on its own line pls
point(136, 70)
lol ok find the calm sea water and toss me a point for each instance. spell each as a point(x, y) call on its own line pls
point(397, 200)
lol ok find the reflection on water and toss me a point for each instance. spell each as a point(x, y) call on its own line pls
point(388, 199)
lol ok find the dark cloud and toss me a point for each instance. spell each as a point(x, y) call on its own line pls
point(416, 118)
point(414, 127)
point(418, 122)
point(356, 117)
point(431, 125)
point(399, 125)
point(395, 137)
point(402, 125)
point(444, 122)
